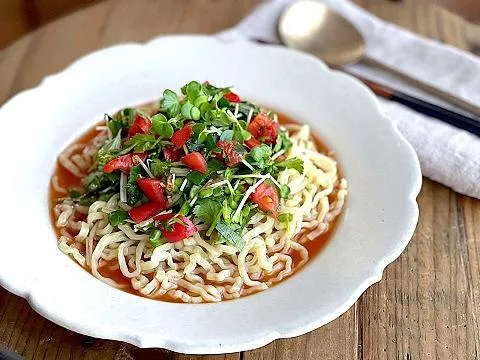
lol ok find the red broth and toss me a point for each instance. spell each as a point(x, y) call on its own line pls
point(68, 180)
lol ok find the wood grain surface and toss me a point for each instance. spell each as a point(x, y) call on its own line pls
point(427, 305)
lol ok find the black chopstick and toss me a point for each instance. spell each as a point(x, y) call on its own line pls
point(468, 123)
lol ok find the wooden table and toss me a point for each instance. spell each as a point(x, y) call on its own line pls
point(427, 305)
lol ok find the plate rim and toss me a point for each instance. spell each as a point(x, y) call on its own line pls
point(177, 345)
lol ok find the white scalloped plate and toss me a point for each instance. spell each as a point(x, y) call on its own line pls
point(379, 220)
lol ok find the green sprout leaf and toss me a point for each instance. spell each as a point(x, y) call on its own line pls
point(293, 163)
point(160, 126)
point(285, 217)
point(170, 103)
point(134, 195)
point(142, 142)
point(260, 156)
point(284, 191)
point(231, 235)
point(117, 217)
point(155, 238)
point(110, 150)
point(189, 111)
point(207, 210)
point(227, 135)
point(159, 168)
point(283, 142)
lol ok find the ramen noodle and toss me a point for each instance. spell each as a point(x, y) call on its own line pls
point(203, 197)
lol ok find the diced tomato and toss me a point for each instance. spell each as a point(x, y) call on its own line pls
point(176, 231)
point(140, 126)
point(181, 136)
point(217, 155)
point(142, 156)
point(195, 161)
point(264, 129)
point(154, 189)
point(124, 163)
point(232, 157)
point(145, 211)
point(266, 196)
point(172, 154)
point(232, 97)
point(164, 217)
point(252, 143)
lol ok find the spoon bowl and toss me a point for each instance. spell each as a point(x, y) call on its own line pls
point(312, 27)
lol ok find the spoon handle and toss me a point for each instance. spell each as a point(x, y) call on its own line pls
point(462, 104)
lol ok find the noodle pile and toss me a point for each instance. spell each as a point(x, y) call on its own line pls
point(194, 270)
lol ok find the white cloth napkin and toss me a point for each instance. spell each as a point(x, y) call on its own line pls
point(447, 155)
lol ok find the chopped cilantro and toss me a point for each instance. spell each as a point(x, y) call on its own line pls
point(74, 193)
point(120, 121)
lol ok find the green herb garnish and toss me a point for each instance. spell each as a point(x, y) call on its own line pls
point(155, 238)
point(98, 180)
point(161, 126)
point(285, 218)
point(142, 142)
point(160, 168)
point(231, 235)
point(293, 163)
point(134, 195)
point(207, 210)
point(110, 150)
point(284, 191)
point(74, 193)
point(117, 217)
point(200, 117)
point(260, 156)
point(213, 166)
point(170, 103)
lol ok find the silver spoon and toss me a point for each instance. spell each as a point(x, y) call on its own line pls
point(310, 26)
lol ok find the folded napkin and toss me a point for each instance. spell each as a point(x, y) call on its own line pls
point(447, 155)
